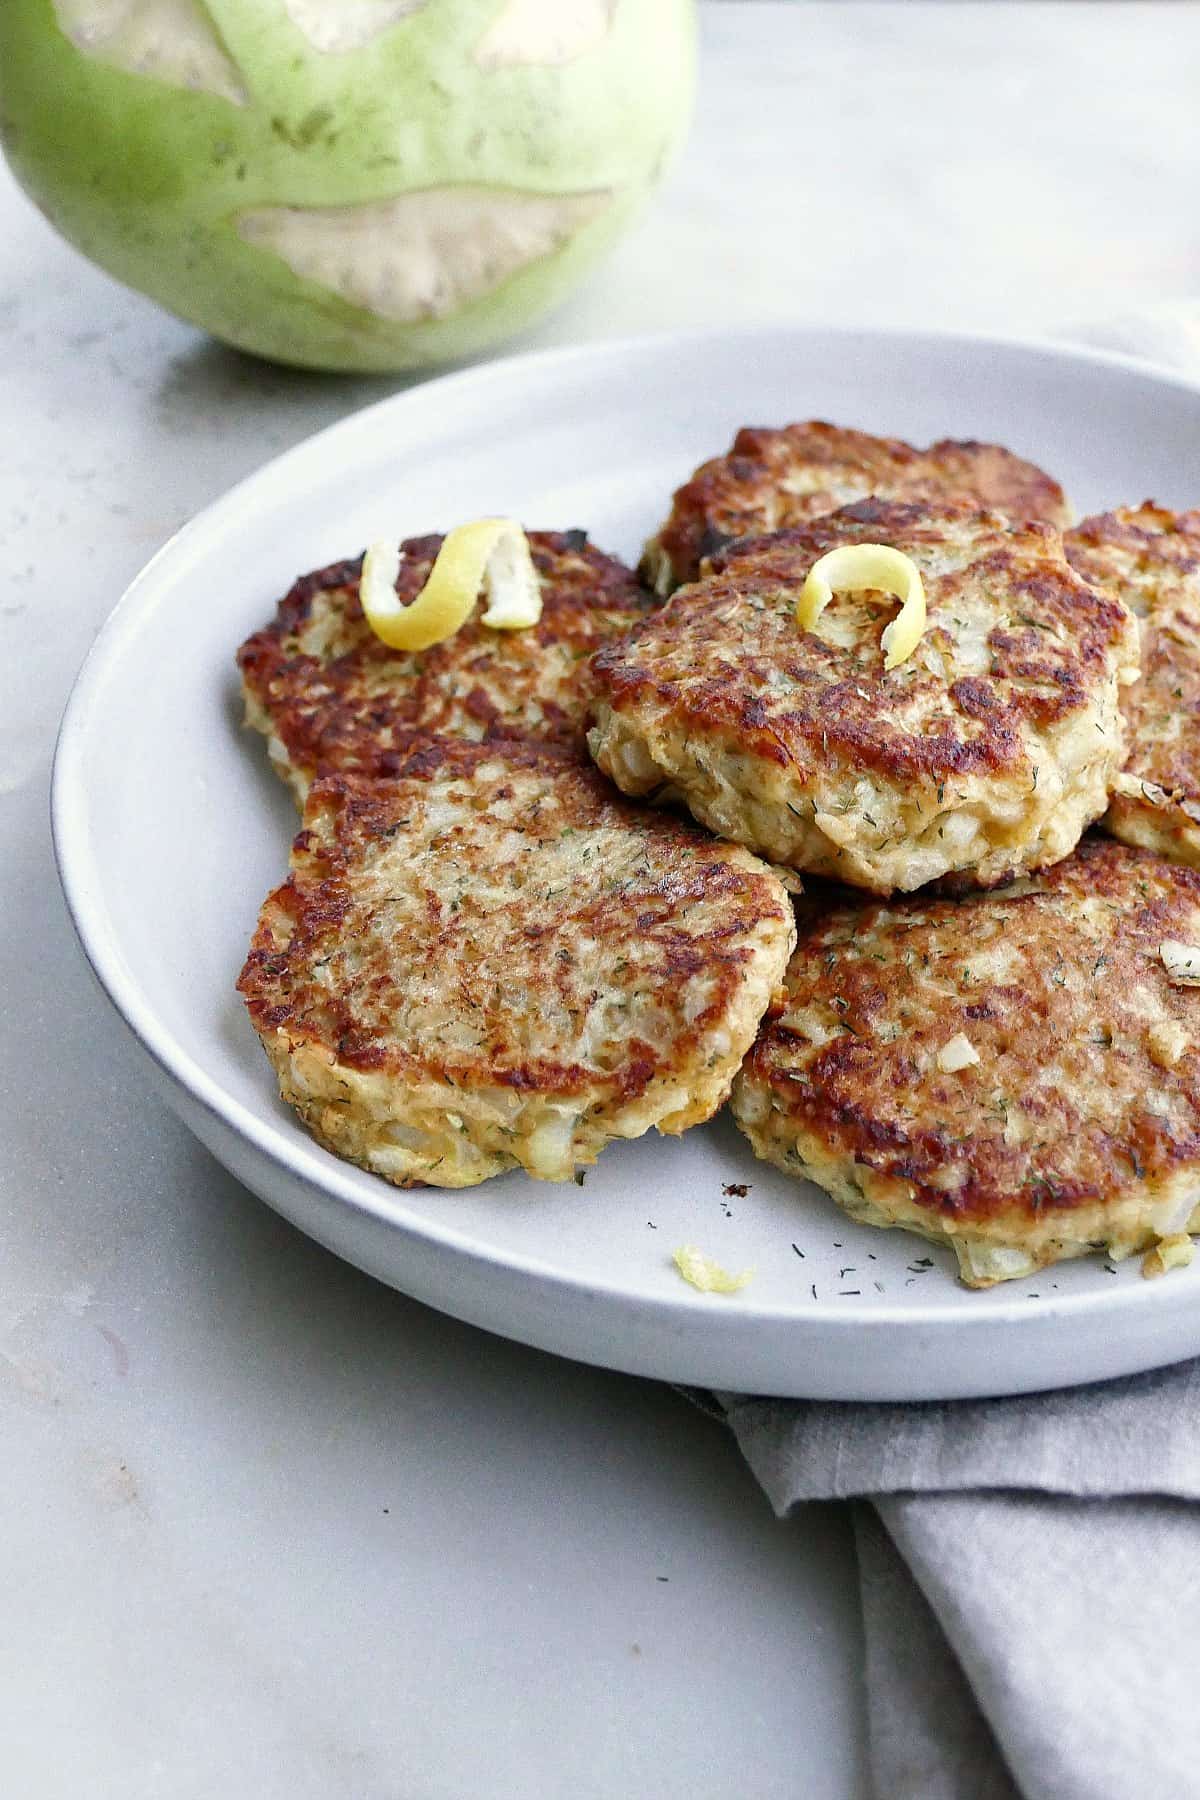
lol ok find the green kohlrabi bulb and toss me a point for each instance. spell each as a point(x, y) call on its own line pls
point(345, 184)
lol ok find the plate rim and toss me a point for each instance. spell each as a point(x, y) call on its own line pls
point(302, 1160)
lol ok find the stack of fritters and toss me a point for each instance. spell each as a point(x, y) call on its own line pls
point(485, 957)
point(1016, 1071)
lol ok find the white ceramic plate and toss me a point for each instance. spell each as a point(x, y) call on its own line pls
point(170, 830)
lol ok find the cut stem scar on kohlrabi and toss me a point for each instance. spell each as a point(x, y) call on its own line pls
point(856, 568)
point(489, 554)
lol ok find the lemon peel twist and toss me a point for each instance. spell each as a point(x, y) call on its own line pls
point(853, 568)
point(492, 554)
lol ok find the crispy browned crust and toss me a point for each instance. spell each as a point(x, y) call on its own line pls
point(1151, 558)
point(775, 478)
point(495, 917)
point(334, 697)
point(721, 647)
point(1058, 984)
point(729, 663)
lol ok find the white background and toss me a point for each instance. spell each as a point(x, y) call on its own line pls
point(266, 1528)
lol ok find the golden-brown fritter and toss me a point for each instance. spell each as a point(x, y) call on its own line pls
point(492, 962)
point(775, 478)
point(1015, 1073)
point(1150, 557)
point(985, 753)
point(328, 695)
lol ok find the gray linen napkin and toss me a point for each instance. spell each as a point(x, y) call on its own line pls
point(1029, 1568)
point(1030, 1574)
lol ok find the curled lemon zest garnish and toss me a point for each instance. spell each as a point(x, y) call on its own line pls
point(492, 554)
point(705, 1274)
point(853, 568)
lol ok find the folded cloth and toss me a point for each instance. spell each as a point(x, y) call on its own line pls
point(1030, 1574)
point(928, 1735)
point(1030, 1568)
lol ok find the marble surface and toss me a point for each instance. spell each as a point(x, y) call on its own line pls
point(267, 1528)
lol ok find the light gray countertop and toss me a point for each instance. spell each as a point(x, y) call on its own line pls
point(267, 1528)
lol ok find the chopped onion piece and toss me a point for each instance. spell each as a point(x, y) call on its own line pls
point(703, 1273)
point(1181, 961)
point(959, 1053)
point(1169, 1253)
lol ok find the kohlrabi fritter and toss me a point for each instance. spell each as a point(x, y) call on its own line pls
point(330, 697)
point(985, 753)
point(1150, 558)
point(773, 478)
point(1015, 1074)
point(492, 961)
